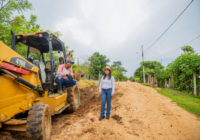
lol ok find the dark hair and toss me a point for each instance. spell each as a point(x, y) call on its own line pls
point(108, 76)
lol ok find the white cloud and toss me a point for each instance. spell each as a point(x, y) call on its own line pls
point(114, 20)
point(74, 27)
point(113, 23)
point(123, 26)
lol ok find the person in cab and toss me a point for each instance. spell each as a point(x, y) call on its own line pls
point(64, 78)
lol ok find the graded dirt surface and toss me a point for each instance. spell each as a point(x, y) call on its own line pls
point(138, 113)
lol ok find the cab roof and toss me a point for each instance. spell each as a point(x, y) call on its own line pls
point(39, 41)
point(34, 34)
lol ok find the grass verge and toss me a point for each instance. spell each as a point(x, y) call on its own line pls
point(185, 100)
point(145, 84)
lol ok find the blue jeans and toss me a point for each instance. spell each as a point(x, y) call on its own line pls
point(106, 96)
point(60, 81)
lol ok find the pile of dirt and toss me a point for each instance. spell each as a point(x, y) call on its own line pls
point(86, 83)
point(12, 135)
point(89, 130)
point(91, 100)
point(117, 117)
point(89, 90)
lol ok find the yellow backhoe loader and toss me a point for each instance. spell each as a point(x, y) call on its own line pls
point(28, 96)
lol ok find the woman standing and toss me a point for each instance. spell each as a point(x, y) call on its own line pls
point(106, 90)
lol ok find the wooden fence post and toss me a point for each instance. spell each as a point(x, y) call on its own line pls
point(194, 82)
point(146, 80)
point(170, 83)
point(165, 84)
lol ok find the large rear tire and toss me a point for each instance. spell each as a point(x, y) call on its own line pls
point(39, 122)
point(73, 98)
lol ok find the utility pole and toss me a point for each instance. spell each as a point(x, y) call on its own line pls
point(199, 83)
point(161, 61)
point(143, 66)
point(194, 83)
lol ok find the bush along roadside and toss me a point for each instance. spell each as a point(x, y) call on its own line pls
point(182, 74)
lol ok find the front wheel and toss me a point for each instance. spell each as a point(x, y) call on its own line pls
point(73, 98)
point(39, 122)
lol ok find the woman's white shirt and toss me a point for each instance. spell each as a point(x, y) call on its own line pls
point(107, 83)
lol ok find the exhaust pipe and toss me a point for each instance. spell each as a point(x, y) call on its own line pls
point(13, 40)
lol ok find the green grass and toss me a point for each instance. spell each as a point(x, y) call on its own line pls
point(185, 100)
point(145, 84)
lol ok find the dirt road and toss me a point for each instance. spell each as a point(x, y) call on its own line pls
point(145, 115)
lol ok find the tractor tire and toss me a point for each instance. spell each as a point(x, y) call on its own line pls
point(39, 122)
point(73, 98)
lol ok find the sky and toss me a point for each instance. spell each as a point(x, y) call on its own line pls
point(118, 28)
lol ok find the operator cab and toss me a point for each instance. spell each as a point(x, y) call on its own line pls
point(40, 52)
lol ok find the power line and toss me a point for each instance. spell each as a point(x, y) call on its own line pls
point(178, 47)
point(134, 61)
point(169, 26)
point(130, 61)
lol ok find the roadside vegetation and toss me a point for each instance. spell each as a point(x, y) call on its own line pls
point(145, 84)
point(176, 80)
point(178, 75)
point(184, 99)
point(92, 66)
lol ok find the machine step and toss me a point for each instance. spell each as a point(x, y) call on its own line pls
point(62, 109)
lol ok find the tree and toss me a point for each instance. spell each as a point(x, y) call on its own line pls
point(188, 50)
point(19, 24)
point(131, 79)
point(84, 65)
point(125, 78)
point(118, 67)
point(97, 63)
point(182, 70)
point(57, 33)
point(138, 74)
point(150, 66)
point(118, 71)
point(161, 76)
point(8, 7)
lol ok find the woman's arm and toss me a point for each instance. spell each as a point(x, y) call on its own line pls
point(113, 85)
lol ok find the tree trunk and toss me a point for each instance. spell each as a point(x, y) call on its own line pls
point(194, 82)
point(170, 82)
